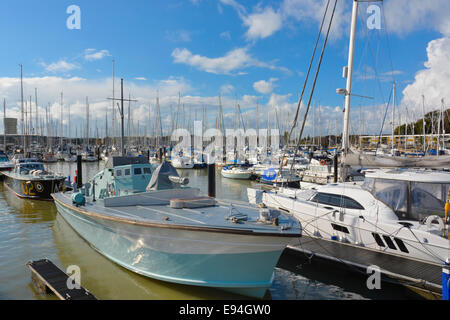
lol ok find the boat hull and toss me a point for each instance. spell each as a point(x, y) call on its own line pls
point(34, 189)
point(241, 264)
point(241, 176)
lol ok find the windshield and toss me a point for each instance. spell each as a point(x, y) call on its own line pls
point(410, 200)
point(24, 168)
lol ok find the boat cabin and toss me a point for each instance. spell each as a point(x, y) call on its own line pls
point(27, 165)
point(121, 176)
point(412, 194)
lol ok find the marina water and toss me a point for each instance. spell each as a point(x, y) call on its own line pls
point(32, 230)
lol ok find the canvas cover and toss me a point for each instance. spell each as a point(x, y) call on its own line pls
point(161, 178)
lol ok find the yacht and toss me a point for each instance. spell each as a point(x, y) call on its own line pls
point(399, 212)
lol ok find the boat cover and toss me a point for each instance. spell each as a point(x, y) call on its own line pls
point(161, 178)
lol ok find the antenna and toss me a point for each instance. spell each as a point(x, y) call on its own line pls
point(122, 144)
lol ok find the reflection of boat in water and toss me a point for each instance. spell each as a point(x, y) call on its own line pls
point(168, 232)
point(29, 179)
point(28, 210)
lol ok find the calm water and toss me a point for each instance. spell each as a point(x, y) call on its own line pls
point(32, 230)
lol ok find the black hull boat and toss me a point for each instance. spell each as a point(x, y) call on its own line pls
point(34, 189)
point(30, 180)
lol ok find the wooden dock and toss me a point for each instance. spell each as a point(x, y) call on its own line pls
point(412, 273)
point(50, 279)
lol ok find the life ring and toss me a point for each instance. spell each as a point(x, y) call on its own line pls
point(430, 219)
point(323, 162)
point(39, 187)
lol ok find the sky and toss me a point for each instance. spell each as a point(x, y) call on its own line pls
point(248, 52)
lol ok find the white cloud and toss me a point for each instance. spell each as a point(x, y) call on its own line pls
point(432, 82)
point(226, 35)
point(265, 87)
point(308, 11)
point(233, 60)
point(60, 66)
point(226, 89)
point(141, 78)
point(262, 24)
point(405, 16)
point(93, 54)
point(178, 36)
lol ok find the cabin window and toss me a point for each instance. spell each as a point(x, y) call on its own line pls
point(137, 171)
point(118, 173)
point(393, 193)
point(147, 170)
point(337, 201)
point(127, 172)
point(427, 199)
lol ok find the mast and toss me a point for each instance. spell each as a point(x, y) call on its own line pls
point(113, 117)
point(423, 124)
point(443, 124)
point(36, 116)
point(22, 119)
point(61, 122)
point(122, 142)
point(393, 115)
point(87, 122)
point(49, 131)
point(345, 133)
point(4, 125)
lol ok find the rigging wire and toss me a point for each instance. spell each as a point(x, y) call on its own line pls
point(314, 84)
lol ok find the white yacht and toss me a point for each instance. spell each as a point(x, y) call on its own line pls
point(397, 212)
point(236, 172)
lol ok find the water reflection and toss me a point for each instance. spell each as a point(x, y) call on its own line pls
point(29, 211)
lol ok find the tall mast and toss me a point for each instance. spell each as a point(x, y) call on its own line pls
point(345, 133)
point(48, 127)
point(22, 110)
point(113, 117)
point(4, 125)
point(393, 117)
point(36, 107)
point(423, 124)
point(87, 122)
point(61, 121)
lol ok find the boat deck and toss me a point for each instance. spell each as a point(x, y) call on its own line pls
point(409, 272)
point(204, 217)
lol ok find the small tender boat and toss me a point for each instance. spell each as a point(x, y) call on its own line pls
point(70, 158)
point(274, 177)
point(168, 231)
point(88, 156)
point(236, 172)
point(29, 179)
point(183, 163)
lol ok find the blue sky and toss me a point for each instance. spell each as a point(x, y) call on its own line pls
point(246, 50)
